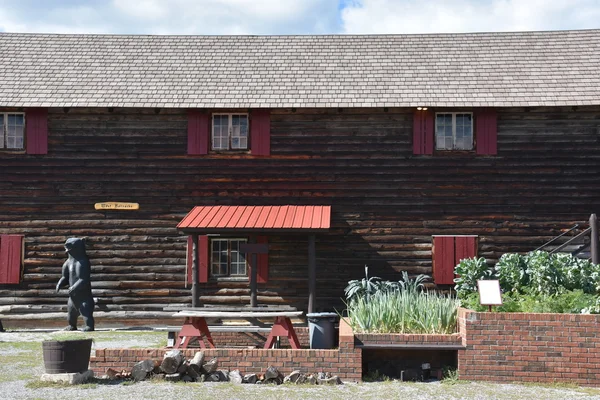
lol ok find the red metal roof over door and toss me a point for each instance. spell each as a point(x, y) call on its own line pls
point(211, 218)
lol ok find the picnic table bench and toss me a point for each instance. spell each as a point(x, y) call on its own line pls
point(196, 328)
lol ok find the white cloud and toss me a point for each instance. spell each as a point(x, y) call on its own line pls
point(230, 16)
point(406, 16)
point(217, 17)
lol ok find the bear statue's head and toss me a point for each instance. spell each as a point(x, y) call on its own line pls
point(75, 247)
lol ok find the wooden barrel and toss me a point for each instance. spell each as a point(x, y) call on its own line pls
point(68, 356)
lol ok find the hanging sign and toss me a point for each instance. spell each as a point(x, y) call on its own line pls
point(114, 205)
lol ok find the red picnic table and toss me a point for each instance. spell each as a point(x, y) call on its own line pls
point(196, 328)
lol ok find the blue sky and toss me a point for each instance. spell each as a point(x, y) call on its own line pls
point(268, 17)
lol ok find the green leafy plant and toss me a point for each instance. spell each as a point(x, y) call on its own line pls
point(511, 270)
point(404, 311)
point(362, 288)
point(469, 271)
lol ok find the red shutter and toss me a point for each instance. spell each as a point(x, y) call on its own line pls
point(11, 254)
point(36, 130)
point(260, 132)
point(443, 260)
point(262, 271)
point(466, 247)
point(203, 258)
point(423, 132)
point(486, 131)
point(198, 132)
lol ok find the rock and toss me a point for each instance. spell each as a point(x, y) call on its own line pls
point(69, 378)
point(201, 378)
point(321, 375)
point(272, 373)
point(334, 380)
point(311, 380)
point(111, 374)
point(183, 368)
point(273, 381)
point(173, 377)
point(235, 377)
point(187, 378)
point(210, 366)
point(292, 378)
point(223, 375)
point(301, 379)
point(250, 378)
point(213, 377)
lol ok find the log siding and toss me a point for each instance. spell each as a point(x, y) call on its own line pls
point(386, 202)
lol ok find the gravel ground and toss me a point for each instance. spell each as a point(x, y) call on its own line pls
point(21, 366)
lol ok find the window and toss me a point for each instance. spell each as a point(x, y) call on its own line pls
point(230, 132)
point(454, 131)
point(226, 258)
point(12, 135)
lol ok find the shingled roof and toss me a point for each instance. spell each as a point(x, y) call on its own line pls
point(487, 69)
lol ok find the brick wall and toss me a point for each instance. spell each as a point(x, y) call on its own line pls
point(344, 361)
point(250, 339)
point(508, 347)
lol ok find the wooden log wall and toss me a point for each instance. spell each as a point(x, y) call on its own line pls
point(386, 202)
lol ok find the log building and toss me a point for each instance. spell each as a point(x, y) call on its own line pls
point(424, 149)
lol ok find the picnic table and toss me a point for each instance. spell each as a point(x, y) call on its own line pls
point(196, 328)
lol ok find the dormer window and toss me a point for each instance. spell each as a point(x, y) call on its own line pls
point(454, 131)
point(12, 134)
point(229, 132)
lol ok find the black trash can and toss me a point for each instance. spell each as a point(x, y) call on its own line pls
point(321, 328)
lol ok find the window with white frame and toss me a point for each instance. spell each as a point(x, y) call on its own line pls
point(230, 132)
point(12, 135)
point(226, 258)
point(454, 131)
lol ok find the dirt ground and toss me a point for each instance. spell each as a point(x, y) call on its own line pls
point(21, 366)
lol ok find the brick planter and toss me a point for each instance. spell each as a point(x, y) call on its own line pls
point(344, 361)
point(526, 347)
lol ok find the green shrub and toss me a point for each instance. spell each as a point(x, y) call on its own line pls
point(511, 272)
point(469, 271)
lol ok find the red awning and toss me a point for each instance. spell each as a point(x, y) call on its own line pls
point(253, 218)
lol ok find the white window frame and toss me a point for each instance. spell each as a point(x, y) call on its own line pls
point(4, 132)
point(228, 240)
point(229, 132)
point(454, 114)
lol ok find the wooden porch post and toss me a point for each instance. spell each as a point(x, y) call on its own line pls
point(595, 252)
point(195, 288)
point(253, 276)
point(312, 274)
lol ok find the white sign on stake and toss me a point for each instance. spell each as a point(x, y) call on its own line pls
point(489, 293)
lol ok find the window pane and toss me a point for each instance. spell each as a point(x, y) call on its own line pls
point(239, 132)
point(219, 257)
point(14, 131)
point(464, 132)
point(220, 132)
point(443, 132)
point(238, 260)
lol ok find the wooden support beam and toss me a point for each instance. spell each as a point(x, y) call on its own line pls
point(594, 246)
point(312, 274)
point(253, 281)
point(195, 288)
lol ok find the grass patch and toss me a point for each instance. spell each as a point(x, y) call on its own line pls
point(450, 377)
